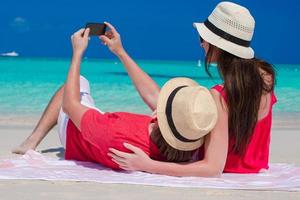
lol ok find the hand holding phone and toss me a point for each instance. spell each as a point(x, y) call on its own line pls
point(96, 29)
point(112, 40)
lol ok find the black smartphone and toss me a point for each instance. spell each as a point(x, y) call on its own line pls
point(96, 28)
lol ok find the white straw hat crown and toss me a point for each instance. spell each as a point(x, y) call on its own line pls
point(229, 27)
point(186, 112)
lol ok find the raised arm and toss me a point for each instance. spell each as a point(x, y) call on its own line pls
point(216, 144)
point(145, 85)
point(71, 99)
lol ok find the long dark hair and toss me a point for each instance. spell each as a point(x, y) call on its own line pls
point(244, 86)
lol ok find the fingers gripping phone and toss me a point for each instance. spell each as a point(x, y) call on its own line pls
point(96, 28)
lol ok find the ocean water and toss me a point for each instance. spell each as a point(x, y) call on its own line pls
point(27, 84)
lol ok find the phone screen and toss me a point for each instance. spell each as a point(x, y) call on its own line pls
point(96, 28)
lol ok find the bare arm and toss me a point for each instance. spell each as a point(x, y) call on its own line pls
point(71, 98)
point(216, 144)
point(145, 85)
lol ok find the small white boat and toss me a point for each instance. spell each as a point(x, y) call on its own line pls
point(12, 54)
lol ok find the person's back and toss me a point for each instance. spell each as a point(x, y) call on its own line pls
point(256, 155)
point(101, 131)
point(246, 95)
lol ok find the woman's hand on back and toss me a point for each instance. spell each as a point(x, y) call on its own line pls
point(113, 40)
point(80, 40)
point(136, 161)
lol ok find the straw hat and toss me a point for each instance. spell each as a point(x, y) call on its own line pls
point(229, 27)
point(186, 112)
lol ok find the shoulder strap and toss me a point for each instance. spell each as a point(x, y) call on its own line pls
point(273, 98)
point(219, 88)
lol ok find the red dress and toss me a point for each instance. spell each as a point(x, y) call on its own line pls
point(257, 153)
point(102, 131)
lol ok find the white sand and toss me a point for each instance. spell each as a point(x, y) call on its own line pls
point(285, 147)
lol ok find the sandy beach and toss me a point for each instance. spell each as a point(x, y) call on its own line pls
point(224, 46)
point(284, 148)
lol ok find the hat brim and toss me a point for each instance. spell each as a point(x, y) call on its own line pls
point(230, 47)
point(165, 130)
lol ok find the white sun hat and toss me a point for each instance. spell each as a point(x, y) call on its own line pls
point(186, 112)
point(229, 27)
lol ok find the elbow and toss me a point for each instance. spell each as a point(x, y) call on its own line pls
point(216, 173)
point(218, 169)
point(215, 169)
point(151, 100)
point(210, 173)
point(67, 106)
point(211, 170)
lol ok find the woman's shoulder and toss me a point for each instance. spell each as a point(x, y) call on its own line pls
point(218, 87)
point(218, 90)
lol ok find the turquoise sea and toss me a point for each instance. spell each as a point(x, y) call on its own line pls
point(27, 84)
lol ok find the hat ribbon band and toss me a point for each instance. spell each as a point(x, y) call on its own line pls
point(170, 118)
point(225, 35)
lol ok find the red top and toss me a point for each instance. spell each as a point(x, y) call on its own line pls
point(256, 156)
point(102, 131)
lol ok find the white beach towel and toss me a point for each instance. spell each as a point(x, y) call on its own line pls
point(34, 165)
